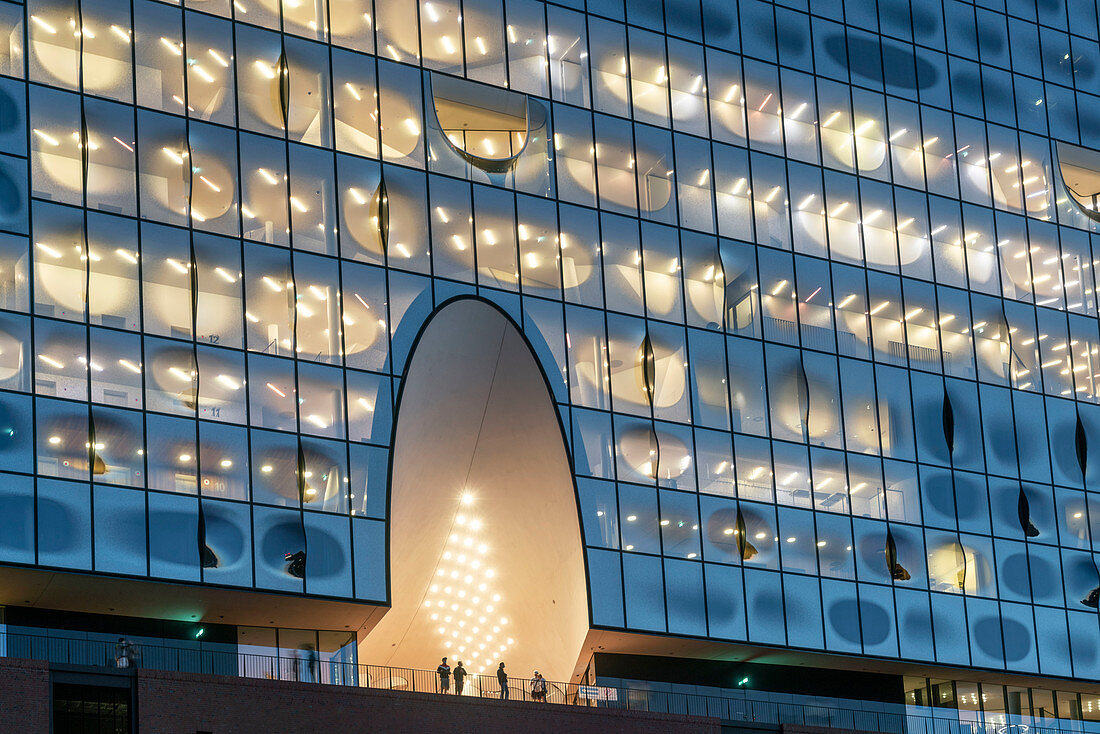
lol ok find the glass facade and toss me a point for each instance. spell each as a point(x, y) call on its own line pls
point(812, 285)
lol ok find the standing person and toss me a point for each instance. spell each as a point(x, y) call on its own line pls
point(538, 688)
point(444, 672)
point(502, 679)
point(307, 663)
point(124, 653)
point(460, 676)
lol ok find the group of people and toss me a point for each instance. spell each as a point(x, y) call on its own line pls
point(539, 686)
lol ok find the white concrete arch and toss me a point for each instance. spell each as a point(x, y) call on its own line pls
point(479, 455)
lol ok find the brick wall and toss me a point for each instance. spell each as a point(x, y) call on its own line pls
point(181, 703)
point(24, 696)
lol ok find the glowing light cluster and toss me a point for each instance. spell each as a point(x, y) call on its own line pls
point(463, 605)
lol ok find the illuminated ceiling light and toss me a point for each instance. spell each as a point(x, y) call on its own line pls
point(130, 366)
point(229, 382)
point(267, 175)
point(203, 73)
point(264, 69)
point(93, 365)
point(176, 265)
point(218, 58)
point(276, 390)
point(47, 137)
point(184, 458)
point(846, 300)
point(43, 24)
point(779, 287)
point(878, 308)
point(52, 252)
point(898, 134)
point(176, 48)
point(54, 440)
point(831, 119)
point(298, 205)
point(51, 362)
point(179, 374)
point(225, 463)
point(412, 127)
point(266, 468)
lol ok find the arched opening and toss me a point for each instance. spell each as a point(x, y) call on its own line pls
point(486, 560)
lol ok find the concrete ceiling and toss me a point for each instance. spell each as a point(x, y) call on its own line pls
point(87, 592)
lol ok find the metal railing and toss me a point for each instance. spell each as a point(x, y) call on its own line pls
point(309, 666)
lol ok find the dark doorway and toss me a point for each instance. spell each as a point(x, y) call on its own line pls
point(85, 709)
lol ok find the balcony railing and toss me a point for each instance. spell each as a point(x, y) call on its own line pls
point(739, 705)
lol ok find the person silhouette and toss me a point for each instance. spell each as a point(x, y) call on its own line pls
point(460, 676)
point(538, 688)
point(502, 679)
point(444, 672)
